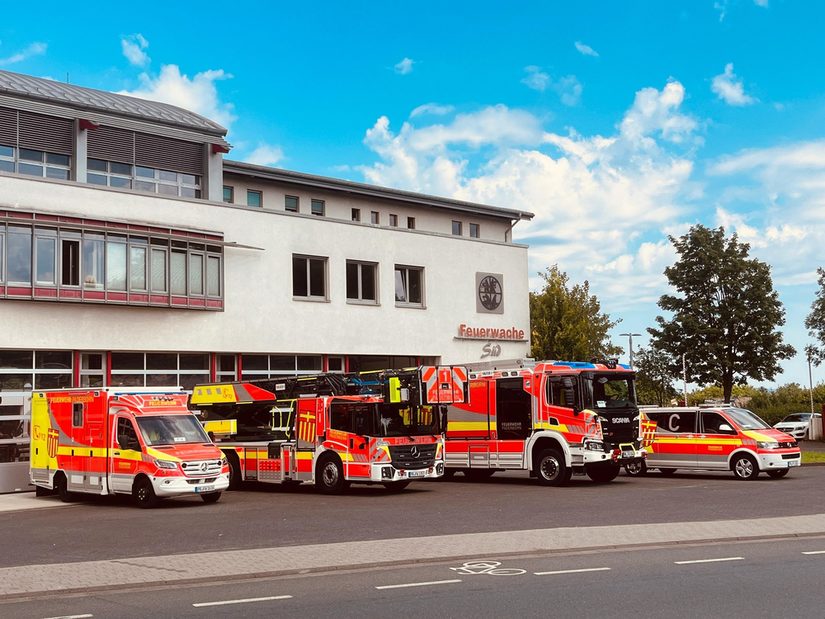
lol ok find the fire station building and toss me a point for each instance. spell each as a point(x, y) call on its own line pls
point(133, 252)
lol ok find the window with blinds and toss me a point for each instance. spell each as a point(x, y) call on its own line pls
point(35, 144)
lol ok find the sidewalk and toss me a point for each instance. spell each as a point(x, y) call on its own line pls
point(32, 579)
point(17, 501)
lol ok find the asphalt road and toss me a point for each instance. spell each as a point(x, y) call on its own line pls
point(107, 528)
point(754, 579)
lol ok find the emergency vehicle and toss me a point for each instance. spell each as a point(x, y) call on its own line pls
point(333, 429)
point(722, 438)
point(551, 418)
point(141, 442)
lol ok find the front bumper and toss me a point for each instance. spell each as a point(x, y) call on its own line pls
point(386, 473)
point(180, 486)
point(774, 461)
point(626, 454)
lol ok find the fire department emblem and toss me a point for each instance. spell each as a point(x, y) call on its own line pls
point(52, 440)
point(489, 293)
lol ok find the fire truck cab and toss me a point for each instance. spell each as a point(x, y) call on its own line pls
point(333, 429)
point(552, 418)
point(141, 442)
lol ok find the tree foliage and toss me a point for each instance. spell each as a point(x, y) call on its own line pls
point(566, 322)
point(726, 315)
point(815, 322)
point(654, 377)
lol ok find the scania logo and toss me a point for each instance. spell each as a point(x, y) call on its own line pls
point(489, 292)
point(621, 420)
point(414, 451)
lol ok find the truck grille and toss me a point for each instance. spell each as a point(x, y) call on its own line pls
point(787, 444)
point(412, 456)
point(201, 468)
point(790, 456)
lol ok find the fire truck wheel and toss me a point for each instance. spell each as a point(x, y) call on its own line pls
point(396, 486)
point(144, 494)
point(212, 497)
point(635, 468)
point(61, 486)
point(235, 475)
point(778, 474)
point(551, 469)
point(603, 473)
point(745, 467)
point(329, 475)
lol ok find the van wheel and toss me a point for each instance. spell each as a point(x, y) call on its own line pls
point(551, 469)
point(144, 494)
point(329, 476)
point(778, 473)
point(396, 486)
point(62, 488)
point(603, 472)
point(212, 497)
point(635, 469)
point(745, 467)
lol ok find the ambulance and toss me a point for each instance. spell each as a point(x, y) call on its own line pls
point(140, 442)
point(720, 438)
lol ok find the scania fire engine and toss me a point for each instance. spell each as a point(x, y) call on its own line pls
point(143, 442)
point(551, 418)
point(333, 429)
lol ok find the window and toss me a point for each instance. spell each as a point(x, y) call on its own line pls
point(318, 207)
point(309, 277)
point(19, 261)
point(714, 423)
point(24, 369)
point(291, 204)
point(254, 198)
point(116, 264)
point(142, 178)
point(361, 281)
point(92, 260)
point(410, 223)
point(228, 194)
point(45, 250)
point(673, 423)
point(409, 286)
point(356, 214)
point(137, 264)
point(92, 373)
point(474, 231)
point(34, 162)
point(268, 366)
point(131, 369)
point(70, 258)
point(457, 228)
point(375, 218)
point(226, 368)
point(393, 220)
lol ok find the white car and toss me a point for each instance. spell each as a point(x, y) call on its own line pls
point(798, 424)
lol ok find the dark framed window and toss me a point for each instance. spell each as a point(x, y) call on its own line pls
point(474, 231)
point(291, 204)
point(409, 286)
point(309, 277)
point(375, 218)
point(362, 281)
point(318, 207)
point(393, 220)
point(457, 228)
point(228, 194)
point(410, 223)
point(356, 214)
point(254, 198)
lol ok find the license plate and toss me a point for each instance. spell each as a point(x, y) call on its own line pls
point(202, 489)
point(417, 474)
point(793, 463)
point(628, 454)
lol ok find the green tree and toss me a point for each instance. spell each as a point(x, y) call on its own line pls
point(815, 322)
point(726, 314)
point(566, 322)
point(654, 377)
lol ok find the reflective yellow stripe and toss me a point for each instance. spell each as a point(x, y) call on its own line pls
point(453, 426)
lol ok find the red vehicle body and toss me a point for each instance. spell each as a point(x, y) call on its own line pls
point(552, 418)
point(141, 442)
point(333, 429)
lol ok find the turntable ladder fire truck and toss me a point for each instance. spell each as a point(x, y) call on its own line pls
point(333, 429)
point(551, 418)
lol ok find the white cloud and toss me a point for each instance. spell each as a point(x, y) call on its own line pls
point(762, 3)
point(431, 108)
point(730, 89)
point(536, 78)
point(34, 49)
point(568, 87)
point(656, 113)
point(405, 66)
point(586, 49)
point(134, 46)
point(198, 94)
point(265, 154)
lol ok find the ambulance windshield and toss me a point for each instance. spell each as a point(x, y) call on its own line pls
point(171, 430)
point(610, 391)
point(402, 420)
point(746, 419)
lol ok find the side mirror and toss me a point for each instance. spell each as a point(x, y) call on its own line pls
point(723, 427)
point(444, 420)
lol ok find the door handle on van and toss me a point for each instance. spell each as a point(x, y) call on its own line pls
point(116, 453)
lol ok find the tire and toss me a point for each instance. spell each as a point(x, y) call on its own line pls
point(667, 472)
point(745, 467)
point(396, 486)
point(550, 468)
point(235, 474)
point(212, 497)
point(778, 473)
point(636, 469)
point(62, 489)
point(603, 473)
point(478, 474)
point(329, 476)
point(143, 494)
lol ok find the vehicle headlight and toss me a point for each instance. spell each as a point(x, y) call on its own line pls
point(223, 461)
point(166, 464)
point(766, 445)
point(593, 445)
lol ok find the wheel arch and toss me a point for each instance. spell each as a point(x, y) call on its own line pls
point(738, 452)
point(547, 440)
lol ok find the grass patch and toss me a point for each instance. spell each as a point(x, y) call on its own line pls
point(812, 457)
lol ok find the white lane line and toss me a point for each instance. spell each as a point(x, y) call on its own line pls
point(71, 617)
point(243, 601)
point(710, 560)
point(814, 552)
point(420, 584)
point(588, 569)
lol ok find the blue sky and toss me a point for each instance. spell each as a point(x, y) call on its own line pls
point(616, 123)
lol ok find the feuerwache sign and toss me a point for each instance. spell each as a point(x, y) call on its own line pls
point(467, 332)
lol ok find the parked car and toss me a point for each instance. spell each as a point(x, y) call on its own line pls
point(798, 424)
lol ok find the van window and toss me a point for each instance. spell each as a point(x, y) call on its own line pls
point(561, 391)
point(673, 422)
point(125, 432)
point(712, 424)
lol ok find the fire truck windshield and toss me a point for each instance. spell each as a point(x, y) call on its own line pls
point(609, 391)
point(402, 420)
point(171, 430)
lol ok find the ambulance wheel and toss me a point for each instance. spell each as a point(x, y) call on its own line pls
point(144, 494)
point(551, 469)
point(603, 472)
point(745, 467)
point(778, 473)
point(235, 475)
point(212, 497)
point(329, 475)
point(478, 474)
point(396, 486)
point(635, 469)
point(62, 488)
point(667, 472)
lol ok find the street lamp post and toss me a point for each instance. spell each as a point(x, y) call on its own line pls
point(810, 383)
point(630, 337)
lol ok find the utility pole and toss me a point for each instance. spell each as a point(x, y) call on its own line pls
point(630, 337)
point(684, 378)
point(810, 383)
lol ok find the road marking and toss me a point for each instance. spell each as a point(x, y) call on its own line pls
point(243, 601)
point(71, 617)
point(587, 569)
point(420, 584)
point(814, 552)
point(710, 560)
